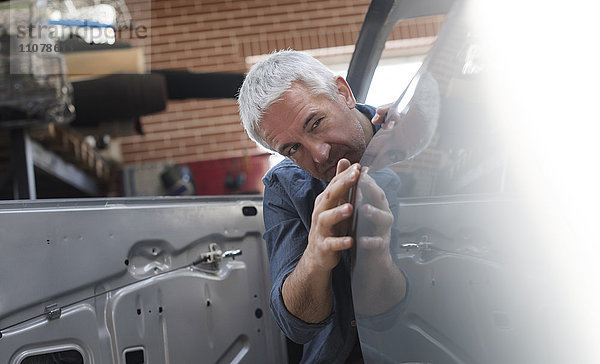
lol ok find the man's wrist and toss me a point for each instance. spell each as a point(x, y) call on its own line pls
point(307, 292)
point(311, 264)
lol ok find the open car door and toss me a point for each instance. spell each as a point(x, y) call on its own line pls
point(163, 280)
point(461, 256)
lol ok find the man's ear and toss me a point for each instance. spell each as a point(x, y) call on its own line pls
point(344, 92)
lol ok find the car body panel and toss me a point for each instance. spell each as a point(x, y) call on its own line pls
point(480, 244)
point(111, 276)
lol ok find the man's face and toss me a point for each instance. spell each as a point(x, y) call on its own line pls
point(314, 131)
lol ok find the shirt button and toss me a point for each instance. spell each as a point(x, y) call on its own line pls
point(353, 323)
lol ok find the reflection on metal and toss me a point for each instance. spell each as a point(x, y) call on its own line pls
point(408, 246)
point(236, 351)
point(452, 264)
point(232, 253)
point(425, 244)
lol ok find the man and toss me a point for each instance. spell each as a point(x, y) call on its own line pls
point(292, 104)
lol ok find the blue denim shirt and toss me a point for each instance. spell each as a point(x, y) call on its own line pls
point(289, 199)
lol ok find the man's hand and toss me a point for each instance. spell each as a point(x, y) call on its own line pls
point(382, 118)
point(307, 291)
point(380, 113)
point(329, 219)
point(390, 144)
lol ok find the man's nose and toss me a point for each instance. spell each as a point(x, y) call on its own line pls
point(320, 152)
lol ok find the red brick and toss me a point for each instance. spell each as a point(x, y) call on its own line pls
point(216, 36)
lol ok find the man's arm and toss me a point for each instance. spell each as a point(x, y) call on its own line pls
point(307, 291)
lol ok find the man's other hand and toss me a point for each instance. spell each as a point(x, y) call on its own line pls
point(380, 113)
point(387, 116)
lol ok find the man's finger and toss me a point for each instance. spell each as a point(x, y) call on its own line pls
point(328, 219)
point(337, 243)
point(342, 165)
point(338, 188)
point(380, 112)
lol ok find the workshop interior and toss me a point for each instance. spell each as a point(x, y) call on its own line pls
point(95, 103)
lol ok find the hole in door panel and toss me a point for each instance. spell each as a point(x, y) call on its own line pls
point(63, 356)
point(134, 356)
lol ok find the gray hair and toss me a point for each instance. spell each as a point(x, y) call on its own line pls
point(269, 79)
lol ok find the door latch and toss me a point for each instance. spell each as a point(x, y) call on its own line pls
point(215, 255)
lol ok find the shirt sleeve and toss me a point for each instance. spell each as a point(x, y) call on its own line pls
point(286, 236)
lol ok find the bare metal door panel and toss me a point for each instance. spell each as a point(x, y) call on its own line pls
point(472, 256)
point(118, 278)
point(477, 292)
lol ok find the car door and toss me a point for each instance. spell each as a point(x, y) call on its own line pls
point(162, 280)
point(459, 256)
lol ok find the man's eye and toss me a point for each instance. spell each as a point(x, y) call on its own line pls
point(316, 123)
point(294, 148)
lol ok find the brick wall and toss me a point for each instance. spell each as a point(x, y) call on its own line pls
point(218, 35)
